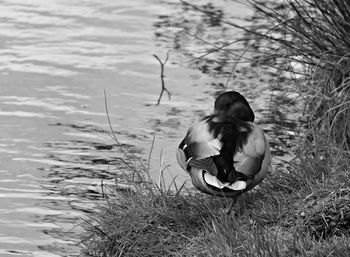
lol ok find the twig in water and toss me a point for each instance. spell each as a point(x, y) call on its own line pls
point(162, 64)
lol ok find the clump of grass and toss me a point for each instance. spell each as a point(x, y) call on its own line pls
point(295, 213)
point(303, 212)
point(314, 35)
point(146, 220)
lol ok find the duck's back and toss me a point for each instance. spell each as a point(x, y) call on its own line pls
point(202, 143)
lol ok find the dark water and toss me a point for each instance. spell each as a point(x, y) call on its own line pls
point(56, 60)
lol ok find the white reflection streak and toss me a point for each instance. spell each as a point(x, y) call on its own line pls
point(48, 104)
point(24, 114)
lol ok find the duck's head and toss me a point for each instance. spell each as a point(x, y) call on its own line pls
point(233, 104)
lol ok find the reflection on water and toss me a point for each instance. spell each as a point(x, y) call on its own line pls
point(58, 57)
point(210, 44)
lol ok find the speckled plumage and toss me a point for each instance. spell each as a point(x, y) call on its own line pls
point(225, 153)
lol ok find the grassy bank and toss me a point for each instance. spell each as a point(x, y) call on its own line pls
point(304, 211)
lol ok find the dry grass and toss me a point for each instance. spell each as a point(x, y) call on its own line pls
point(304, 212)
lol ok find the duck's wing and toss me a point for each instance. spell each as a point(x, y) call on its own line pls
point(198, 147)
point(184, 160)
point(249, 159)
point(197, 155)
point(201, 142)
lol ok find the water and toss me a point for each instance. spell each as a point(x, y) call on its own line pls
point(56, 60)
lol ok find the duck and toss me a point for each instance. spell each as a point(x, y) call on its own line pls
point(226, 153)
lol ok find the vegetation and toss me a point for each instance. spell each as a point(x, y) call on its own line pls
point(314, 35)
point(304, 211)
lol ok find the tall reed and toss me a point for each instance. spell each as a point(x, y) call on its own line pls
point(312, 38)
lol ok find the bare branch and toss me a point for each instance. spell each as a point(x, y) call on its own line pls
point(162, 64)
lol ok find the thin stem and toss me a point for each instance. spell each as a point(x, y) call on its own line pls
point(116, 139)
point(162, 64)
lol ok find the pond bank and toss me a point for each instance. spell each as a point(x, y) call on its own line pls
point(303, 211)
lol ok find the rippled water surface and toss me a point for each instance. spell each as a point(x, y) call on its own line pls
point(56, 59)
